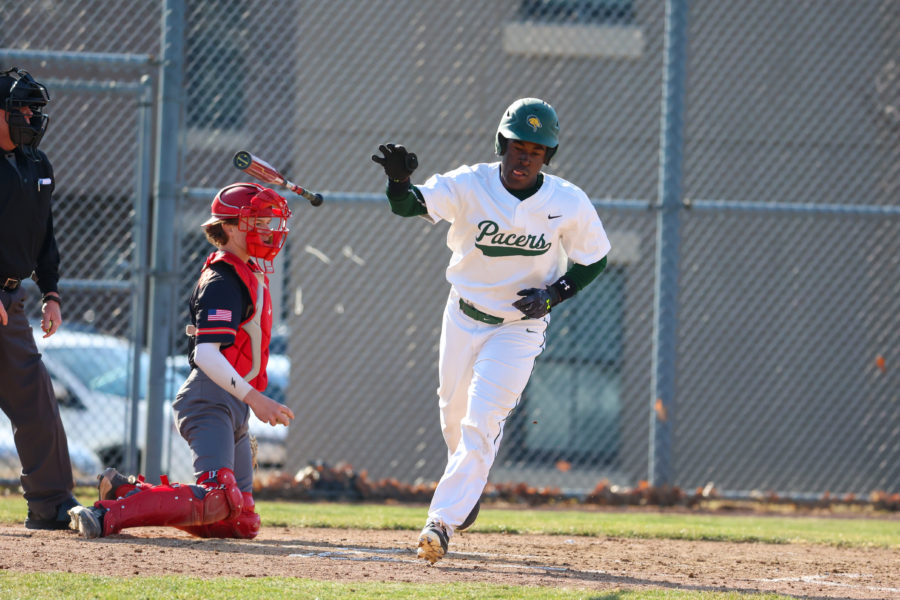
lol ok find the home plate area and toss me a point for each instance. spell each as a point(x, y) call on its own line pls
point(407, 555)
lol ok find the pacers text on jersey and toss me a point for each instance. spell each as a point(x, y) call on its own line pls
point(508, 244)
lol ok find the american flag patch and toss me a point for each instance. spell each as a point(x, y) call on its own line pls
point(219, 314)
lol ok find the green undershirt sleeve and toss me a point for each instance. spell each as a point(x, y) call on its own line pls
point(406, 202)
point(582, 275)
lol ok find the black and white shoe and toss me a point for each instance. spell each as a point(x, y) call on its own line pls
point(433, 542)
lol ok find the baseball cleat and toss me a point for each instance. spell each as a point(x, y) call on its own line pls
point(433, 542)
point(88, 520)
point(473, 514)
point(109, 481)
point(61, 521)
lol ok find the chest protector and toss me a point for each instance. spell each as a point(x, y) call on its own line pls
point(249, 354)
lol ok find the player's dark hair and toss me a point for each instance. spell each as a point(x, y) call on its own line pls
point(215, 233)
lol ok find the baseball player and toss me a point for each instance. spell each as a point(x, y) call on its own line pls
point(511, 227)
point(231, 323)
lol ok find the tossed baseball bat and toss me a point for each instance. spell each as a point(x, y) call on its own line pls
point(260, 169)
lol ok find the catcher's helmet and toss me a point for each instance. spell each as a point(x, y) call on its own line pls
point(529, 120)
point(248, 202)
point(18, 89)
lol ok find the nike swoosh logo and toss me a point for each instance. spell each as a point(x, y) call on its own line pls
point(530, 330)
point(553, 216)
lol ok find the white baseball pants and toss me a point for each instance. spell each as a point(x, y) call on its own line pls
point(483, 371)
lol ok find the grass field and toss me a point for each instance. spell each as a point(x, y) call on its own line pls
point(830, 531)
point(65, 586)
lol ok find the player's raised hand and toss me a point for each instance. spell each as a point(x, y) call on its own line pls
point(268, 410)
point(397, 161)
point(535, 303)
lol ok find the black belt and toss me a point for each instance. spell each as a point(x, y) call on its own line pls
point(8, 284)
point(472, 312)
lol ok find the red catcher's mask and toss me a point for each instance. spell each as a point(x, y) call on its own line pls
point(249, 202)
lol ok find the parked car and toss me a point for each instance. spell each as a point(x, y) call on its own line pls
point(270, 440)
point(85, 462)
point(92, 375)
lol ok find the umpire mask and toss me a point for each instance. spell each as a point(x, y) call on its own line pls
point(18, 90)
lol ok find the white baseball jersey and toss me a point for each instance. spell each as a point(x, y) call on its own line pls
point(502, 244)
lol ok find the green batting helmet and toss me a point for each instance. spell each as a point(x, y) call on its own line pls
point(529, 120)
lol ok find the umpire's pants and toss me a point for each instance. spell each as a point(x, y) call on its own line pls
point(27, 398)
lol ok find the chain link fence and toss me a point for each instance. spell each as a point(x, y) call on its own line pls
point(787, 269)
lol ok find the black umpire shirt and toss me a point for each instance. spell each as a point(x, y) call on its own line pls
point(27, 243)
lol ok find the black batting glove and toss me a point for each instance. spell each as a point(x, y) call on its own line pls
point(536, 303)
point(397, 161)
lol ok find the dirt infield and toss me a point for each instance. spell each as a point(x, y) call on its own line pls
point(595, 563)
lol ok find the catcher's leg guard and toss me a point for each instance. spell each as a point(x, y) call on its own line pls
point(245, 525)
point(215, 497)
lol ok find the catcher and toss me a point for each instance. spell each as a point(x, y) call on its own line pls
point(231, 314)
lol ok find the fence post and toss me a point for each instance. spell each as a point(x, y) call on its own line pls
point(162, 275)
point(140, 260)
point(665, 304)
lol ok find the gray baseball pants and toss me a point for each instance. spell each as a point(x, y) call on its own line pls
point(27, 398)
point(214, 423)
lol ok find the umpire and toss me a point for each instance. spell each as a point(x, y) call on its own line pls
point(28, 249)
